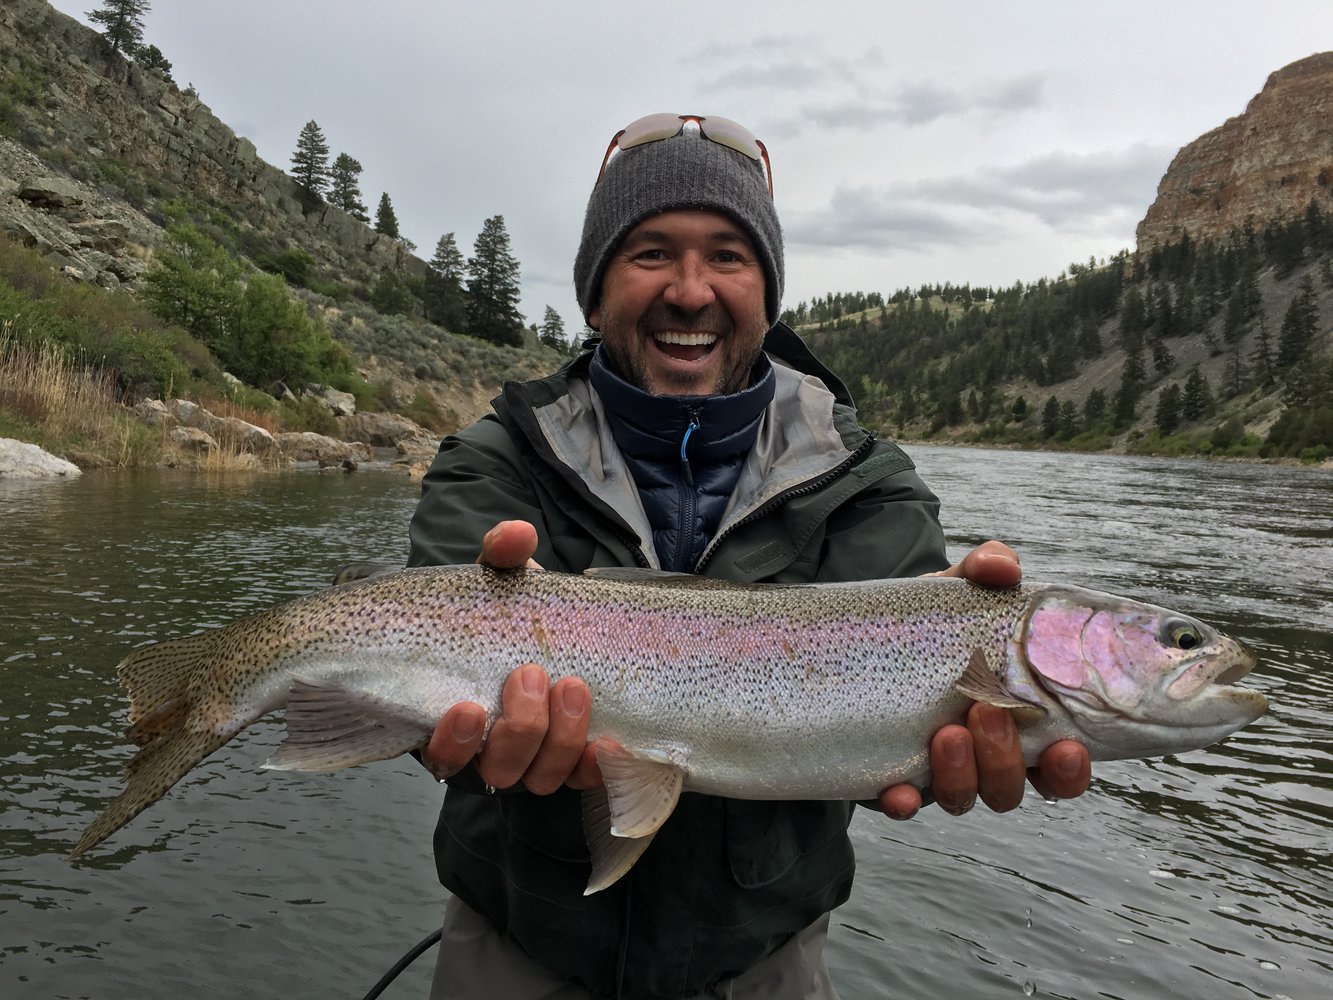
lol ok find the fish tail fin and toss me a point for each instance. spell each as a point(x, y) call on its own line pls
point(169, 724)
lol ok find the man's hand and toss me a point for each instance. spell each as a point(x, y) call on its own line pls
point(541, 736)
point(984, 757)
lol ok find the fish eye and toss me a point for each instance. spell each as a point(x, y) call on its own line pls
point(1183, 635)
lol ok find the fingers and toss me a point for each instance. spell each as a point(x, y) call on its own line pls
point(540, 738)
point(509, 545)
point(900, 802)
point(1001, 774)
point(456, 740)
point(518, 733)
point(953, 769)
point(1064, 771)
point(991, 564)
point(566, 738)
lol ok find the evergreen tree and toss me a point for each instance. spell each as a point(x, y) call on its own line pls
point(1235, 373)
point(345, 186)
point(552, 331)
point(123, 21)
point(310, 163)
point(1089, 340)
point(1019, 410)
point(151, 57)
point(1133, 375)
point(1262, 356)
point(1068, 419)
point(1162, 358)
point(1050, 418)
point(493, 286)
point(1298, 327)
point(1198, 399)
point(386, 221)
point(1094, 408)
point(1168, 409)
point(443, 295)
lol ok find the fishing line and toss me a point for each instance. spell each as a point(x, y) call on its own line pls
point(432, 938)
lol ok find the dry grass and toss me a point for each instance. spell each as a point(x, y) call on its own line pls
point(43, 386)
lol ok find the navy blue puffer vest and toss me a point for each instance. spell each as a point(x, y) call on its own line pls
point(685, 453)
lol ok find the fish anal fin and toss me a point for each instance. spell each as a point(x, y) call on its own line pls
point(980, 683)
point(612, 856)
point(330, 727)
point(642, 787)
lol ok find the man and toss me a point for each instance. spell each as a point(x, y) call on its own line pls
point(699, 436)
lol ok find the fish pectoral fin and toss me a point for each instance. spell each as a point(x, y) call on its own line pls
point(611, 856)
point(642, 787)
point(331, 727)
point(980, 683)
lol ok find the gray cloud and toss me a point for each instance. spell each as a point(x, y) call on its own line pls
point(1058, 191)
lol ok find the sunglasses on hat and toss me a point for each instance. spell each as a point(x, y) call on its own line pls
point(723, 131)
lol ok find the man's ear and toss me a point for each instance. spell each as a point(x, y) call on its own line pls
point(594, 318)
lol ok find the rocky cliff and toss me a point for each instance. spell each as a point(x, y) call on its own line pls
point(1268, 162)
point(108, 130)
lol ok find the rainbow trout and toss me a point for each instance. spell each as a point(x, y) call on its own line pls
point(826, 691)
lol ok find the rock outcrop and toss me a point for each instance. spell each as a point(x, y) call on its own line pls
point(19, 460)
point(1267, 163)
point(104, 121)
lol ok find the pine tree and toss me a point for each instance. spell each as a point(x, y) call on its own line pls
point(310, 162)
point(443, 294)
point(1168, 409)
point(552, 331)
point(1262, 356)
point(1050, 418)
point(1298, 327)
point(1198, 399)
point(386, 221)
point(345, 187)
point(1094, 408)
point(151, 57)
point(493, 286)
point(1162, 358)
point(123, 20)
point(1235, 373)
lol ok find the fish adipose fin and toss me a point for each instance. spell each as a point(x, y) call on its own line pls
point(642, 788)
point(980, 683)
point(330, 727)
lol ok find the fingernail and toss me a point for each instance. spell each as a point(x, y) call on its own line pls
point(955, 752)
point(959, 810)
point(534, 682)
point(1068, 767)
point(466, 728)
point(573, 701)
point(995, 724)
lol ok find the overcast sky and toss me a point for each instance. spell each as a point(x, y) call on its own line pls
point(975, 142)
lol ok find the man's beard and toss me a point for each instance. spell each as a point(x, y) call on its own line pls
point(627, 348)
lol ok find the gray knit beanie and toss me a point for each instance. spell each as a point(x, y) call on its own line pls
point(687, 171)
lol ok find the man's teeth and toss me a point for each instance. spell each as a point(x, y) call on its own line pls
point(686, 339)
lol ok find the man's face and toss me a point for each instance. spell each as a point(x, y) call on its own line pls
point(682, 309)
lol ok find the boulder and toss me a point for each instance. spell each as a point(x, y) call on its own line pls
point(340, 404)
point(19, 460)
point(191, 440)
point(154, 413)
point(307, 446)
point(51, 192)
point(383, 430)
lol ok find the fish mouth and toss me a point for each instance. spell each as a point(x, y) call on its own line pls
point(1239, 669)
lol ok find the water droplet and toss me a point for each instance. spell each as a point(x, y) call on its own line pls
point(1269, 966)
point(1161, 873)
point(1029, 988)
point(1227, 909)
point(1125, 940)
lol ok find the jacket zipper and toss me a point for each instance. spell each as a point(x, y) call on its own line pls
point(811, 486)
point(688, 498)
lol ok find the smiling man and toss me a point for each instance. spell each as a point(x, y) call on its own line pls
point(699, 436)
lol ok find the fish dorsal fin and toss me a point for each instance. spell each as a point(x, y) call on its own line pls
point(331, 727)
point(611, 856)
point(980, 683)
point(642, 787)
point(659, 577)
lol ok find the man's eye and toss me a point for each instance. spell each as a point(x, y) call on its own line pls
point(652, 254)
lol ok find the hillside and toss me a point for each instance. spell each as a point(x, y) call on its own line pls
point(1214, 335)
point(106, 166)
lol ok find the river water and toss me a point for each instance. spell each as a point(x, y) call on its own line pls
point(1205, 875)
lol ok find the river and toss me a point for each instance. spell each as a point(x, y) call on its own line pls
point(1203, 875)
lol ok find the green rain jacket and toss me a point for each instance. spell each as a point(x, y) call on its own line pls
point(725, 882)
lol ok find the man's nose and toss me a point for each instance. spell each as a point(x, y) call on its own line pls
point(691, 287)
